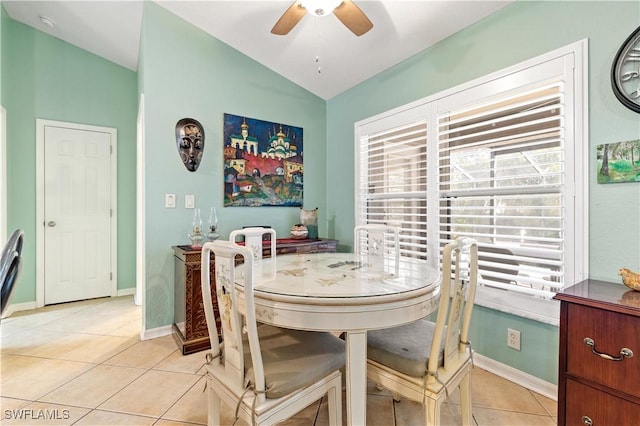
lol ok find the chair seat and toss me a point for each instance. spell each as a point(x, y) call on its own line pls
point(403, 348)
point(294, 359)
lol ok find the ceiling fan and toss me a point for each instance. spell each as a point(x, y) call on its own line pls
point(345, 10)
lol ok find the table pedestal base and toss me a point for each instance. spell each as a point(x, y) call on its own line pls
point(356, 372)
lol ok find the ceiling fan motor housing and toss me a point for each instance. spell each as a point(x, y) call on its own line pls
point(320, 7)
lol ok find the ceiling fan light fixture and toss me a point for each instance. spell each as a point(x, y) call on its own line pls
point(345, 10)
point(320, 7)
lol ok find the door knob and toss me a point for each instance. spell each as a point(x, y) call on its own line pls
point(51, 223)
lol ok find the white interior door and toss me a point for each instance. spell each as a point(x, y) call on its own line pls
point(77, 214)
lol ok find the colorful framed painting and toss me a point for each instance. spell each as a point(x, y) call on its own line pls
point(262, 163)
point(619, 162)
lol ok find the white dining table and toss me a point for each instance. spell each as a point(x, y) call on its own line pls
point(339, 292)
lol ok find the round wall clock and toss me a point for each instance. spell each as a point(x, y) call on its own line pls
point(625, 72)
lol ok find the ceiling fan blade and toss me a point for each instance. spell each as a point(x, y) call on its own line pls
point(289, 19)
point(353, 18)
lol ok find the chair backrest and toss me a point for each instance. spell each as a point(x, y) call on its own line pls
point(457, 296)
point(10, 267)
point(378, 242)
point(9, 278)
point(253, 237)
point(237, 312)
point(14, 243)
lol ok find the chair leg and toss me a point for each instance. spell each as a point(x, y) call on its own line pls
point(213, 407)
point(465, 399)
point(334, 402)
point(432, 411)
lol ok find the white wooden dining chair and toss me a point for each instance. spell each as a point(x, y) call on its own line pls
point(424, 361)
point(253, 237)
point(379, 243)
point(265, 374)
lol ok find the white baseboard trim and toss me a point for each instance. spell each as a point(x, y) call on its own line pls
point(126, 292)
point(16, 307)
point(155, 332)
point(27, 306)
point(521, 378)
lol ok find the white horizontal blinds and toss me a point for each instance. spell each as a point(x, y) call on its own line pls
point(501, 168)
point(393, 183)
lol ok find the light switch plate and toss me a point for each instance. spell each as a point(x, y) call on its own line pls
point(189, 201)
point(170, 201)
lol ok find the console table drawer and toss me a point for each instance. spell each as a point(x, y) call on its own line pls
point(586, 405)
point(611, 333)
point(290, 246)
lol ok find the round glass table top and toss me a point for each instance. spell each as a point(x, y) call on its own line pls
point(341, 275)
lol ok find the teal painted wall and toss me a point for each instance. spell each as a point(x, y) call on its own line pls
point(516, 33)
point(188, 73)
point(44, 77)
point(538, 353)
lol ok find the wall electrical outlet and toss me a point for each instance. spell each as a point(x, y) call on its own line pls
point(513, 339)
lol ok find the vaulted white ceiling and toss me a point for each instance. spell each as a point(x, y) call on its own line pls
point(319, 54)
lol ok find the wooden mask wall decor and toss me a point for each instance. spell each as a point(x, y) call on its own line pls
point(190, 142)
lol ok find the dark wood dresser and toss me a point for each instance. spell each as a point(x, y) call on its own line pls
point(599, 364)
point(190, 325)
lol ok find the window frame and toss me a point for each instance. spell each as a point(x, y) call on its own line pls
point(573, 62)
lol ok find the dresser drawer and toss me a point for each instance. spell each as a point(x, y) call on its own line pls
point(585, 404)
point(610, 333)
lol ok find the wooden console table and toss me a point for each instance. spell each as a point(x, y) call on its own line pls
point(599, 365)
point(190, 324)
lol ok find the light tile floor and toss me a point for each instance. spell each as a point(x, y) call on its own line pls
point(83, 363)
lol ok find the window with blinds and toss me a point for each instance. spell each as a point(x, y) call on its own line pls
point(392, 184)
point(501, 159)
point(502, 174)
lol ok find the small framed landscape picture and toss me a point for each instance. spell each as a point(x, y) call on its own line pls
point(619, 162)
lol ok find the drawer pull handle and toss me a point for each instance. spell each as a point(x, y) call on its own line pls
point(587, 420)
point(624, 352)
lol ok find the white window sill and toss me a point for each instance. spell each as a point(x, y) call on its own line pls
point(525, 306)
